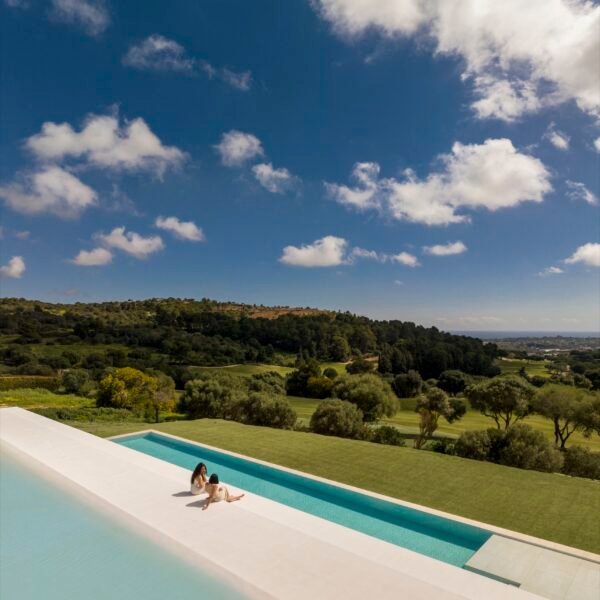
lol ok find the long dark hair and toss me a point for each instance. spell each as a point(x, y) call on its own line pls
point(214, 479)
point(197, 471)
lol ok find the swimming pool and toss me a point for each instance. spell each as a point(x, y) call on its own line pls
point(55, 546)
point(444, 539)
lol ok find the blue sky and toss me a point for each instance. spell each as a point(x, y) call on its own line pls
point(384, 158)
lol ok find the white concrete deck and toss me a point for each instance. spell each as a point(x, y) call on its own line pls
point(551, 574)
point(266, 548)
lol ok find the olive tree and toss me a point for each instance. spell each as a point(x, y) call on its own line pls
point(337, 417)
point(506, 400)
point(369, 392)
point(570, 409)
point(432, 405)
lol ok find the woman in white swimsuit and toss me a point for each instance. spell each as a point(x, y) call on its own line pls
point(199, 480)
point(218, 492)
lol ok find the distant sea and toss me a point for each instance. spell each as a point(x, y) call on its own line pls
point(500, 335)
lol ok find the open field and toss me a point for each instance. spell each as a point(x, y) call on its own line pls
point(407, 421)
point(511, 366)
point(550, 506)
point(41, 398)
point(251, 369)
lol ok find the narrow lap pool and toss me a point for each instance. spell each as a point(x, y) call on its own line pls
point(56, 547)
point(444, 539)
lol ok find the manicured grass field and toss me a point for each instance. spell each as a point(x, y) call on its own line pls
point(407, 421)
point(41, 398)
point(551, 506)
point(248, 369)
point(511, 366)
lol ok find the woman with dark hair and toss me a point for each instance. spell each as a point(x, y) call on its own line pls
point(199, 480)
point(218, 492)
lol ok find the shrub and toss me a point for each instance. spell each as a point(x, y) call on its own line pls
point(443, 446)
point(371, 394)
point(453, 382)
point(408, 385)
point(75, 381)
point(360, 365)
point(330, 373)
point(270, 382)
point(261, 409)
point(34, 368)
point(86, 414)
point(319, 387)
point(387, 434)
point(337, 417)
point(473, 444)
point(209, 398)
point(527, 448)
point(581, 462)
point(23, 381)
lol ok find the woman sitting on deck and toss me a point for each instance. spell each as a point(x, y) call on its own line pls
point(218, 492)
point(199, 480)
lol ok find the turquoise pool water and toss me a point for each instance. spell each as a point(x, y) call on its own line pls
point(55, 547)
point(443, 539)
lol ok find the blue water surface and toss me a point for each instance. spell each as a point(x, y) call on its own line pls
point(437, 537)
point(55, 547)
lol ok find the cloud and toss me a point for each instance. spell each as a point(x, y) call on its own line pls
point(327, 252)
point(548, 271)
point(358, 252)
point(14, 268)
point(93, 258)
point(578, 191)
point(237, 148)
point(90, 15)
point(445, 249)
point(588, 254)
point(597, 144)
point(406, 259)
point(130, 242)
point(23, 235)
point(158, 53)
point(492, 175)
point(277, 181)
point(53, 190)
point(16, 3)
point(521, 56)
point(184, 230)
point(103, 142)
point(557, 138)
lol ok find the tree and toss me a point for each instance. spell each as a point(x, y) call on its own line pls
point(408, 385)
point(387, 434)
point(297, 381)
point(473, 444)
point(319, 387)
point(127, 388)
point(75, 381)
point(163, 395)
point(360, 365)
point(432, 405)
point(570, 409)
point(337, 417)
point(369, 392)
point(453, 382)
point(503, 399)
point(209, 398)
point(330, 373)
point(269, 411)
point(339, 349)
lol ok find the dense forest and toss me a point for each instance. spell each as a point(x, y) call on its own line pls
point(165, 333)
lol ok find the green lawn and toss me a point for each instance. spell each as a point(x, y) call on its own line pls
point(407, 421)
point(248, 369)
point(511, 366)
point(551, 506)
point(41, 398)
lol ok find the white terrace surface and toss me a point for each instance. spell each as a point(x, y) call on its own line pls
point(267, 548)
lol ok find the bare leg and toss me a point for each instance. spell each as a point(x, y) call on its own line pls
point(234, 498)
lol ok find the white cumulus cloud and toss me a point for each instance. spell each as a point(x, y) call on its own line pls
point(521, 56)
point(14, 268)
point(90, 15)
point(184, 230)
point(588, 254)
point(52, 189)
point(93, 258)
point(406, 259)
point(277, 181)
point(492, 175)
point(158, 53)
point(557, 138)
point(237, 148)
point(329, 251)
point(130, 242)
point(578, 191)
point(445, 249)
point(597, 144)
point(104, 142)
